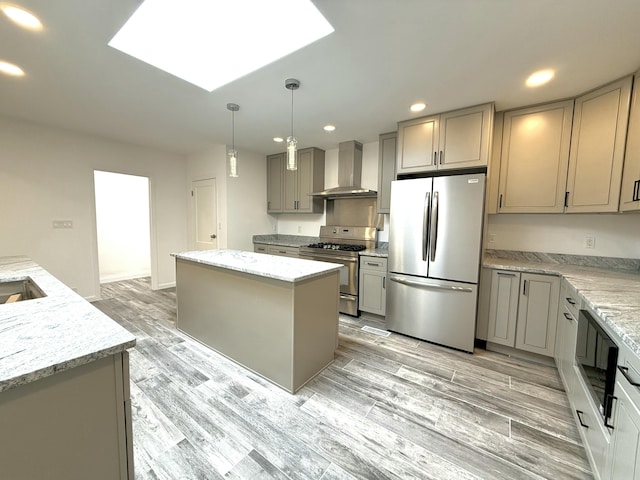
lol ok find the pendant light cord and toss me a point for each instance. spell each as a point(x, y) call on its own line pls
point(292, 112)
point(233, 130)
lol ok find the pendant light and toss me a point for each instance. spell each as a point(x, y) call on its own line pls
point(292, 144)
point(233, 155)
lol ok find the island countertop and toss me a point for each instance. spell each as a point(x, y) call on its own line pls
point(43, 336)
point(286, 269)
point(612, 293)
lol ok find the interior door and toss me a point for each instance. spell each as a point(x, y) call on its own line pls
point(205, 214)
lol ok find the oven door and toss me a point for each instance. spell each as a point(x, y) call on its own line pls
point(348, 279)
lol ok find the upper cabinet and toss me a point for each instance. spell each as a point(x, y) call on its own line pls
point(452, 140)
point(597, 148)
point(535, 155)
point(630, 191)
point(275, 179)
point(386, 169)
point(308, 178)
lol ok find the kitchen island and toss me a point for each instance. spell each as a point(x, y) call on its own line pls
point(64, 383)
point(275, 316)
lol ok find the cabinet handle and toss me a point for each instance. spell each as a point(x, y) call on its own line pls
point(567, 316)
point(435, 158)
point(282, 251)
point(580, 413)
point(566, 199)
point(636, 190)
point(524, 288)
point(506, 274)
point(384, 283)
point(373, 264)
point(570, 301)
point(608, 410)
point(440, 157)
point(500, 203)
point(625, 374)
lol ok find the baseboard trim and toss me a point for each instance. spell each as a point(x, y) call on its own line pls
point(162, 286)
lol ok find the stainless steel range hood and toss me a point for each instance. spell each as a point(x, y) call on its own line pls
point(349, 174)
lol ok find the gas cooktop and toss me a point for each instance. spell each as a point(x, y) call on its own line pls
point(346, 247)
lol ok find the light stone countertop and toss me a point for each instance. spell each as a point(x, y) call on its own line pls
point(43, 336)
point(287, 269)
point(377, 252)
point(285, 240)
point(614, 295)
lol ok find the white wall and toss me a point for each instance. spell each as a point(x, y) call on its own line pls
point(46, 174)
point(241, 201)
point(309, 224)
point(122, 221)
point(617, 235)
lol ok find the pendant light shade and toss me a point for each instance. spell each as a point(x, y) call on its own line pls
point(233, 155)
point(292, 143)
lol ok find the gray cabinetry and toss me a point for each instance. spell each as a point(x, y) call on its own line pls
point(566, 334)
point(597, 148)
point(457, 139)
point(534, 160)
point(630, 190)
point(523, 311)
point(281, 250)
point(275, 182)
point(386, 169)
point(624, 449)
point(373, 284)
point(288, 190)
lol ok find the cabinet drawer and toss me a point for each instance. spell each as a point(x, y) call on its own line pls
point(260, 247)
point(283, 251)
point(373, 263)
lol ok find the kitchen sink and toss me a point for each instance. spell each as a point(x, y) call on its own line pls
point(19, 290)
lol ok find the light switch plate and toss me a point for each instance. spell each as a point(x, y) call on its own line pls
point(62, 224)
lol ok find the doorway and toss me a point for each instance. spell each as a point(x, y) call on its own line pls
point(204, 212)
point(123, 226)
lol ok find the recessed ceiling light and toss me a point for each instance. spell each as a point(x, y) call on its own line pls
point(418, 107)
point(211, 43)
point(21, 17)
point(539, 78)
point(329, 128)
point(278, 139)
point(11, 69)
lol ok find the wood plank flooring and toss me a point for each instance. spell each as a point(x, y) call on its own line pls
point(389, 407)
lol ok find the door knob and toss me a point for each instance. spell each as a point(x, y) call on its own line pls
point(213, 235)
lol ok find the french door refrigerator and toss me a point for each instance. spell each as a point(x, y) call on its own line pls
point(435, 240)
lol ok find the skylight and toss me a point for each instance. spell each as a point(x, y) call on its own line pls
point(210, 43)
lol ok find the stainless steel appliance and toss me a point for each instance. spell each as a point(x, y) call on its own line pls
point(339, 244)
point(597, 357)
point(434, 257)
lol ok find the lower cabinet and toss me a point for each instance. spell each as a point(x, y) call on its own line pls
point(523, 311)
point(276, 250)
point(373, 284)
point(566, 334)
point(624, 449)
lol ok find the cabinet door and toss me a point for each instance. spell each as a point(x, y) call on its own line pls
point(465, 137)
point(535, 156)
point(372, 291)
point(503, 307)
point(597, 148)
point(417, 145)
point(537, 313)
point(630, 191)
point(625, 442)
point(386, 169)
point(305, 180)
point(275, 176)
point(290, 190)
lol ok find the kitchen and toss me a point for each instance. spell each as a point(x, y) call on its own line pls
point(47, 170)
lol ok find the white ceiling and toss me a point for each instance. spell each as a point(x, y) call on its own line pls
point(383, 56)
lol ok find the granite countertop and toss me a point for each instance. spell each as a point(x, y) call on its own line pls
point(285, 240)
point(43, 336)
point(375, 252)
point(613, 293)
point(286, 269)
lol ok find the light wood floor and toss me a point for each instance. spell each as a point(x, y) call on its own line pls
point(388, 407)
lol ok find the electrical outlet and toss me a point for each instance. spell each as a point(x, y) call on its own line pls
point(589, 241)
point(62, 224)
point(299, 229)
point(492, 238)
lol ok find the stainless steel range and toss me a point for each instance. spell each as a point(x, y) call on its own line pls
point(340, 244)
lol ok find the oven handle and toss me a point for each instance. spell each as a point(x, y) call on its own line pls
point(329, 259)
point(413, 283)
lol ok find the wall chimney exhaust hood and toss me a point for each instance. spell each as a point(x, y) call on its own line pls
point(349, 174)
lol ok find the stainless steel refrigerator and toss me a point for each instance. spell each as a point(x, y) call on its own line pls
point(434, 258)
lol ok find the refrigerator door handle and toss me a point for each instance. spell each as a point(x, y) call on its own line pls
point(433, 234)
point(425, 225)
point(415, 283)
